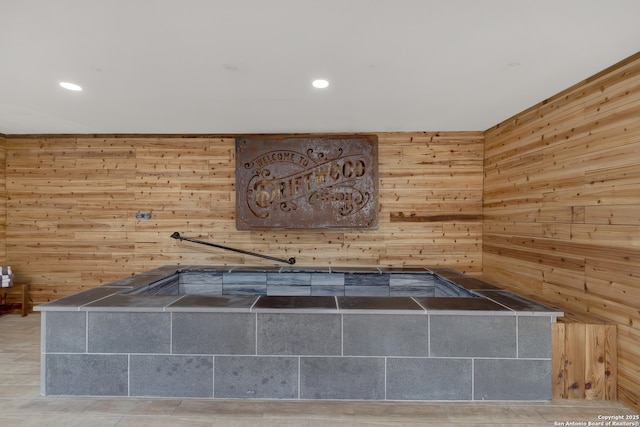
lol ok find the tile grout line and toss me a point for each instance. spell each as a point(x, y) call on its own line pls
point(429, 335)
point(517, 337)
point(256, 333)
point(86, 334)
point(473, 377)
point(213, 376)
point(386, 358)
point(299, 383)
point(43, 353)
point(342, 334)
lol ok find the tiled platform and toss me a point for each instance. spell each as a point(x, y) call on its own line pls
point(115, 342)
point(22, 406)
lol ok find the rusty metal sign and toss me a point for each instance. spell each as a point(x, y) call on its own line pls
point(310, 182)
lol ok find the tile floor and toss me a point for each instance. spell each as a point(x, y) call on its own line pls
point(21, 404)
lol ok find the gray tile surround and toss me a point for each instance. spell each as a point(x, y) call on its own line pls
point(289, 279)
point(201, 289)
point(514, 301)
point(512, 379)
point(367, 291)
point(244, 283)
point(327, 279)
point(293, 284)
point(218, 303)
point(245, 377)
point(448, 304)
point(474, 284)
point(429, 379)
point(200, 283)
point(82, 298)
point(132, 302)
point(386, 335)
point(327, 284)
point(283, 281)
point(533, 333)
point(351, 304)
point(473, 336)
point(288, 290)
point(493, 347)
point(65, 332)
point(299, 334)
point(86, 374)
point(296, 303)
point(171, 376)
point(213, 333)
point(360, 378)
point(122, 332)
point(326, 290)
point(366, 279)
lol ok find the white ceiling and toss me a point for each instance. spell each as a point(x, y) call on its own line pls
point(246, 66)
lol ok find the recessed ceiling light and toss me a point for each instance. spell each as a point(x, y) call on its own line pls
point(320, 83)
point(70, 86)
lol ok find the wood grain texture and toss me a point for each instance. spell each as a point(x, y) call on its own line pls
point(558, 361)
point(551, 195)
point(562, 215)
point(584, 359)
point(3, 201)
point(72, 201)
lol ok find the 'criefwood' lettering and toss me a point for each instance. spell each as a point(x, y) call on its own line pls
point(266, 191)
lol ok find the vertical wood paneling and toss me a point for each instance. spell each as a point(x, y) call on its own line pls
point(72, 201)
point(558, 361)
point(575, 363)
point(584, 359)
point(561, 208)
point(3, 201)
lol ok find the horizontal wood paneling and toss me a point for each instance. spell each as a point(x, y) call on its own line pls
point(562, 206)
point(72, 200)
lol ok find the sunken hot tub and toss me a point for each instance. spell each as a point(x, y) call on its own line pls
point(295, 333)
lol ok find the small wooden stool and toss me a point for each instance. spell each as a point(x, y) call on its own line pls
point(23, 306)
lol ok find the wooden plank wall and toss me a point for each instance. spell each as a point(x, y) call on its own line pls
point(584, 360)
point(3, 201)
point(72, 199)
point(562, 207)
